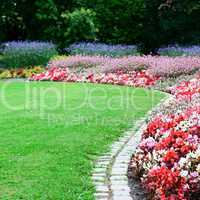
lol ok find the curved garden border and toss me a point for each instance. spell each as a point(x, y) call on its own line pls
point(110, 172)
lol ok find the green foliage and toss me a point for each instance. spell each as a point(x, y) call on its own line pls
point(119, 20)
point(80, 25)
point(149, 22)
point(168, 22)
point(48, 16)
point(17, 20)
point(63, 26)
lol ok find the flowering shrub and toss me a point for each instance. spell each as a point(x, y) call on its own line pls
point(22, 54)
point(168, 157)
point(133, 78)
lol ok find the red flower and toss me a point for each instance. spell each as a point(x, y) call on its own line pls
point(170, 157)
point(165, 184)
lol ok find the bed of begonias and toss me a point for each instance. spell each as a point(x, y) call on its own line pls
point(132, 78)
point(168, 157)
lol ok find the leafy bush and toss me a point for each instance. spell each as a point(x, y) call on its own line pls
point(24, 53)
point(102, 49)
point(80, 25)
point(120, 21)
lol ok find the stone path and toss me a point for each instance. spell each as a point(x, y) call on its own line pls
point(110, 173)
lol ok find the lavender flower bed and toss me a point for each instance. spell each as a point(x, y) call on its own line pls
point(177, 50)
point(102, 49)
point(26, 53)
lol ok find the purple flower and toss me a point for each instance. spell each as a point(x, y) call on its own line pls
point(180, 50)
point(84, 48)
point(27, 53)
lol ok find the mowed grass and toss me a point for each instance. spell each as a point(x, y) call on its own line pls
point(51, 134)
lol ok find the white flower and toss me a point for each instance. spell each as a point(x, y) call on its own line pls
point(182, 162)
point(184, 173)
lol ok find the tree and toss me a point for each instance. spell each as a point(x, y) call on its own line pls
point(169, 21)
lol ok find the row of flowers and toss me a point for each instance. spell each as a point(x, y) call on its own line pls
point(168, 157)
point(20, 73)
point(133, 78)
point(88, 48)
point(160, 65)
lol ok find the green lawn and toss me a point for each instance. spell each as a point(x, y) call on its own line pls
point(51, 133)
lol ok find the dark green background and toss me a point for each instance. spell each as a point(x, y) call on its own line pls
point(150, 23)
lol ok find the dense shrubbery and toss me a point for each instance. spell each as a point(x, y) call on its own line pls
point(25, 54)
point(149, 22)
point(81, 25)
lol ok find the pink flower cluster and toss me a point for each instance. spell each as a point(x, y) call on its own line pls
point(78, 61)
point(133, 78)
point(172, 66)
point(187, 89)
point(168, 157)
point(56, 74)
point(160, 65)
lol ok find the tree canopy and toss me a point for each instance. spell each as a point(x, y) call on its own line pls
point(150, 23)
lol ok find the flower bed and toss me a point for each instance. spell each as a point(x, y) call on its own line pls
point(25, 54)
point(20, 73)
point(175, 50)
point(78, 61)
point(84, 48)
point(159, 66)
point(168, 157)
point(133, 78)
